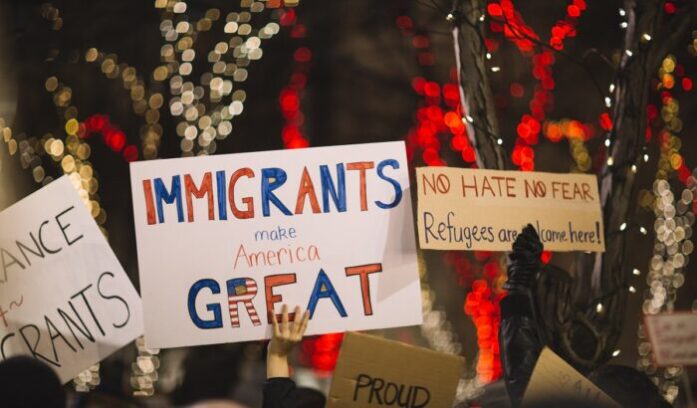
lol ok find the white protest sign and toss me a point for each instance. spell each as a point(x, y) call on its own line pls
point(474, 209)
point(673, 338)
point(224, 240)
point(64, 298)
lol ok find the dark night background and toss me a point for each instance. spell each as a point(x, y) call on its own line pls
point(359, 90)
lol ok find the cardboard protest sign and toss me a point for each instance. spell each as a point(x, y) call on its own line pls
point(374, 372)
point(554, 381)
point(473, 209)
point(64, 298)
point(673, 338)
point(224, 240)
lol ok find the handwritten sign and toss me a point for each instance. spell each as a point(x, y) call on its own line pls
point(554, 381)
point(374, 372)
point(223, 241)
point(64, 298)
point(673, 338)
point(472, 209)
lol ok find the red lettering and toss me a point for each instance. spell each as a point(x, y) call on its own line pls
point(270, 282)
point(361, 167)
point(247, 201)
point(149, 202)
point(307, 189)
point(205, 189)
point(363, 271)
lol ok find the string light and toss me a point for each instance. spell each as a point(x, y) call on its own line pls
point(629, 53)
point(636, 272)
point(632, 289)
point(616, 353)
point(624, 24)
point(608, 102)
point(675, 217)
point(623, 226)
point(646, 37)
point(610, 161)
point(622, 12)
point(205, 109)
point(599, 308)
point(495, 69)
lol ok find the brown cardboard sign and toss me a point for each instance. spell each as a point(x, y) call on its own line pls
point(555, 381)
point(673, 338)
point(476, 209)
point(374, 372)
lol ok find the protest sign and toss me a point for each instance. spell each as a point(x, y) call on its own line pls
point(223, 241)
point(554, 381)
point(374, 372)
point(473, 209)
point(673, 338)
point(64, 298)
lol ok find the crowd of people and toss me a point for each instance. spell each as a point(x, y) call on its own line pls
point(26, 382)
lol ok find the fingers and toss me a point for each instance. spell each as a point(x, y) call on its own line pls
point(285, 329)
point(296, 318)
point(304, 322)
point(274, 323)
point(528, 241)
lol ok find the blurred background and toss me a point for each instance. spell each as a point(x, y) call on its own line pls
point(88, 86)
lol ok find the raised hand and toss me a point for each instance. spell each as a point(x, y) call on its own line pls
point(285, 336)
point(524, 260)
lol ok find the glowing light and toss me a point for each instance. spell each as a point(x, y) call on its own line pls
point(636, 272)
point(616, 353)
point(623, 226)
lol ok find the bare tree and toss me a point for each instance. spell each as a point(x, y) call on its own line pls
point(568, 306)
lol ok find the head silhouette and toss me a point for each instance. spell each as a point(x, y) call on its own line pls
point(26, 382)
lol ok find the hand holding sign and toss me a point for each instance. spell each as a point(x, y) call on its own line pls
point(524, 260)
